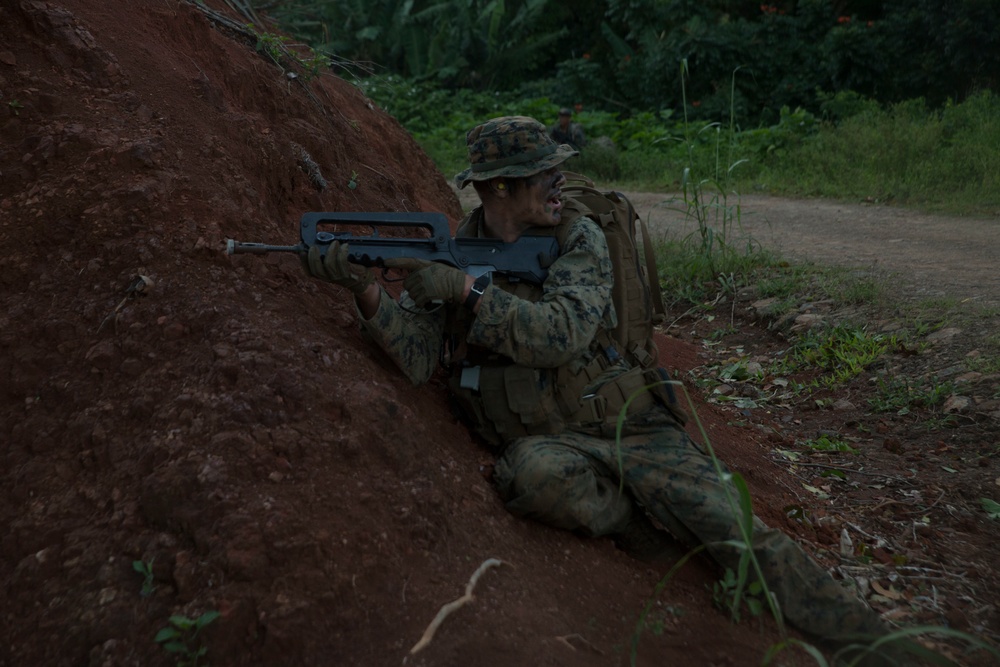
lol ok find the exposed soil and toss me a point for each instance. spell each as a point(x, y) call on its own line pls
point(931, 256)
point(228, 426)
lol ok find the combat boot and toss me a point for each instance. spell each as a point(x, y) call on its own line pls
point(645, 542)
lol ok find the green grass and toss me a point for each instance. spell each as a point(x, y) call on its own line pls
point(938, 160)
point(825, 443)
point(901, 394)
point(944, 161)
point(840, 352)
point(717, 256)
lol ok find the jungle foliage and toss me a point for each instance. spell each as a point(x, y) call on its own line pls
point(621, 55)
point(878, 100)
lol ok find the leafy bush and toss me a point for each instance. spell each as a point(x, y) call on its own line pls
point(906, 153)
point(621, 56)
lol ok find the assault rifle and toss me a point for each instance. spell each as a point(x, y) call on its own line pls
point(527, 259)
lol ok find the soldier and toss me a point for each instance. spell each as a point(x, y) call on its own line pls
point(536, 374)
point(565, 131)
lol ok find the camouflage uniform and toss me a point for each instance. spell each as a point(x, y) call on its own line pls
point(569, 475)
point(572, 134)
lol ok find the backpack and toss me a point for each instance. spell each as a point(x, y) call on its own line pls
point(636, 294)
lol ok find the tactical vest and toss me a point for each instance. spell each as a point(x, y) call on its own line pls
point(502, 400)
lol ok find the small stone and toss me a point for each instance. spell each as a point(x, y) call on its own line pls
point(943, 335)
point(956, 404)
point(766, 307)
point(102, 355)
point(173, 330)
point(132, 367)
point(806, 321)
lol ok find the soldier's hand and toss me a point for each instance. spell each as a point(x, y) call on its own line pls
point(334, 268)
point(430, 281)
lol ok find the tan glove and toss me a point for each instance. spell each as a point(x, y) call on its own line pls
point(430, 281)
point(334, 268)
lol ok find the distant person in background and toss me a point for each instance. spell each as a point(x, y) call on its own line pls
point(566, 131)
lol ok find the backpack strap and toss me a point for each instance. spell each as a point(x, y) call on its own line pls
point(659, 312)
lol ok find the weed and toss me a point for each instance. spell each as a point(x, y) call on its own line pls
point(717, 251)
point(657, 622)
point(843, 352)
point(941, 422)
point(725, 592)
point(988, 358)
point(854, 287)
point(275, 47)
point(783, 283)
point(146, 570)
point(181, 637)
point(271, 45)
point(825, 443)
point(660, 585)
point(15, 106)
point(901, 395)
point(315, 64)
point(991, 507)
point(719, 334)
point(984, 363)
point(739, 371)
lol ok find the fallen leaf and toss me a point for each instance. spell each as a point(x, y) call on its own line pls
point(892, 593)
point(846, 545)
point(813, 489)
point(991, 507)
point(897, 614)
point(947, 469)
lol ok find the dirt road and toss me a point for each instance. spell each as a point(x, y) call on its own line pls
point(932, 256)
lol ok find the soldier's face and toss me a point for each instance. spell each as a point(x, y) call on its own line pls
point(537, 200)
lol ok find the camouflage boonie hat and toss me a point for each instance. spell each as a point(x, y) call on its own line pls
point(513, 146)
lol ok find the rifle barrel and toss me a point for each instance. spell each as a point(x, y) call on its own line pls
point(234, 247)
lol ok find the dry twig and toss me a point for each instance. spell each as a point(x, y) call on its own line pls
point(453, 606)
point(841, 469)
point(565, 639)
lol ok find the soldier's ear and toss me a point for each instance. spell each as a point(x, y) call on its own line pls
point(499, 187)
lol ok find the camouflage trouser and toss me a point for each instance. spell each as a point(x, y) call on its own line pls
point(571, 481)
